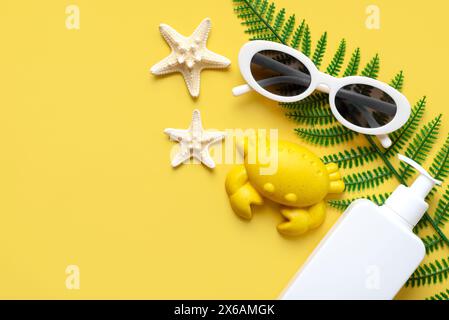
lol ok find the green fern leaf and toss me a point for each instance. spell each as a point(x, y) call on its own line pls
point(255, 30)
point(421, 145)
point(316, 100)
point(433, 243)
point(429, 273)
point(352, 157)
point(247, 16)
point(258, 17)
point(372, 68)
point(442, 210)
point(340, 205)
point(398, 81)
point(440, 165)
point(253, 21)
point(442, 296)
point(263, 7)
point(297, 36)
point(279, 21)
point(312, 116)
point(402, 136)
point(343, 204)
point(423, 223)
point(337, 61)
point(256, 4)
point(307, 42)
point(353, 65)
point(379, 199)
point(367, 179)
point(270, 13)
point(288, 29)
point(327, 136)
point(268, 36)
point(320, 50)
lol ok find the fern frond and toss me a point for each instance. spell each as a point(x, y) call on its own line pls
point(288, 28)
point(270, 13)
point(352, 157)
point(337, 61)
point(379, 199)
point(372, 68)
point(268, 36)
point(421, 145)
point(402, 136)
point(440, 165)
point(353, 65)
point(326, 136)
point(398, 81)
point(255, 30)
point(279, 21)
point(312, 116)
point(320, 50)
point(297, 36)
point(257, 16)
point(367, 179)
point(429, 273)
point(423, 223)
point(313, 101)
point(442, 296)
point(343, 204)
point(262, 7)
point(433, 243)
point(442, 210)
point(307, 42)
point(247, 15)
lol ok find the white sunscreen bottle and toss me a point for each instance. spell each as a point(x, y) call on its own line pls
point(371, 251)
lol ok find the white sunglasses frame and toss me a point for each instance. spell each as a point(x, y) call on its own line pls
point(325, 83)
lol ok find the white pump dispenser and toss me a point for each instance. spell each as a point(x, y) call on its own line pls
point(409, 202)
point(371, 251)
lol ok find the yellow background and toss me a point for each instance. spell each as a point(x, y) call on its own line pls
point(85, 177)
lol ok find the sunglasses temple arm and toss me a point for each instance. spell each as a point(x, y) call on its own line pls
point(373, 103)
point(280, 67)
point(385, 140)
point(241, 90)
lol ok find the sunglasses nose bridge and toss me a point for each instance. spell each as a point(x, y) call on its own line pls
point(324, 82)
point(322, 87)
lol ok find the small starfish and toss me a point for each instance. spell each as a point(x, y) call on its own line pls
point(195, 142)
point(189, 55)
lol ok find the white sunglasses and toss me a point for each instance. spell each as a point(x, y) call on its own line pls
point(284, 74)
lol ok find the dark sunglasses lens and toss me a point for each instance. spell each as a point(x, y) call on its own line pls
point(280, 73)
point(365, 106)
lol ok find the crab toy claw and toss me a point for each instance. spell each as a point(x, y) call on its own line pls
point(241, 193)
point(300, 221)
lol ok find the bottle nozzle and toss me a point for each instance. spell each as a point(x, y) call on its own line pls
point(425, 182)
point(410, 202)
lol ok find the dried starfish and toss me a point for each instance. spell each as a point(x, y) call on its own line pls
point(194, 141)
point(189, 55)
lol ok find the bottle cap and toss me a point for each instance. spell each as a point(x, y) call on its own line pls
point(409, 202)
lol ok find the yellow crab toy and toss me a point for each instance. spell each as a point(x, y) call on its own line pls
point(299, 184)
